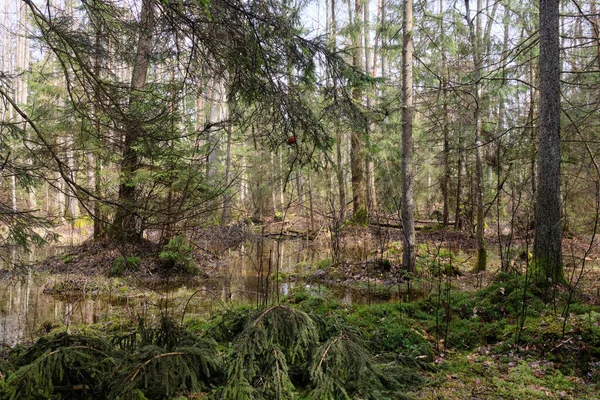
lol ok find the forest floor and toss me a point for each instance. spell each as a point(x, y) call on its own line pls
point(486, 335)
point(370, 255)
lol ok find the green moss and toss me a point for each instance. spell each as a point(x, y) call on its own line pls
point(545, 272)
point(481, 259)
point(361, 217)
point(389, 329)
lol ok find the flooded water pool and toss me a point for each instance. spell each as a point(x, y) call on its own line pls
point(256, 273)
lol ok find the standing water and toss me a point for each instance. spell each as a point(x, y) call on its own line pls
point(258, 272)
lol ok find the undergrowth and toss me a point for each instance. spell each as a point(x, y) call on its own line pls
point(310, 347)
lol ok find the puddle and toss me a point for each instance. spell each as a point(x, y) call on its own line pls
point(26, 310)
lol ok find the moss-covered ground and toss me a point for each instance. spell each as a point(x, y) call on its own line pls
point(504, 341)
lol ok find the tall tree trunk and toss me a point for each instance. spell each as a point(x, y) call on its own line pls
point(595, 21)
point(531, 131)
point(94, 159)
point(21, 90)
point(124, 225)
point(370, 164)
point(281, 185)
point(408, 204)
point(227, 201)
point(13, 193)
point(357, 138)
point(547, 248)
point(215, 117)
point(5, 107)
point(341, 179)
point(458, 218)
point(243, 179)
point(71, 206)
point(311, 208)
point(475, 37)
point(504, 259)
point(445, 125)
point(300, 191)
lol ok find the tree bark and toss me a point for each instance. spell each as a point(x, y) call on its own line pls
point(227, 200)
point(504, 259)
point(408, 204)
point(547, 248)
point(475, 37)
point(445, 126)
point(341, 179)
point(21, 90)
point(370, 164)
point(94, 159)
point(357, 138)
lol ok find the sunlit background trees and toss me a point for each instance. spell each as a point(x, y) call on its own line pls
point(149, 118)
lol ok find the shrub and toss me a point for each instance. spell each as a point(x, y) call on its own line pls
point(177, 254)
point(124, 265)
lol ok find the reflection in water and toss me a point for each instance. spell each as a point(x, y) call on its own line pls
point(258, 273)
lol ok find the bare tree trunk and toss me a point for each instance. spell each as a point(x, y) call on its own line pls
point(408, 204)
point(475, 37)
point(370, 164)
point(227, 201)
point(445, 128)
point(60, 197)
point(71, 206)
point(6, 108)
point(341, 179)
point(504, 260)
point(13, 192)
point(21, 91)
point(310, 203)
point(595, 21)
point(547, 248)
point(215, 117)
point(281, 194)
point(458, 219)
point(243, 179)
point(299, 188)
point(93, 158)
point(357, 138)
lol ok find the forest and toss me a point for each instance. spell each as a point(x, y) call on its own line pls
point(299, 199)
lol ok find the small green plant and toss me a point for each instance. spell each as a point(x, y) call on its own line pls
point(323, 264)
point(177, 254)
point(361, 217)
point(67, 258)
point(123, 265)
